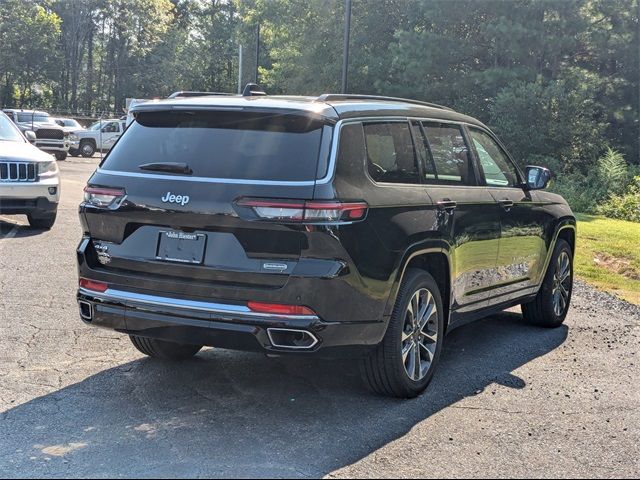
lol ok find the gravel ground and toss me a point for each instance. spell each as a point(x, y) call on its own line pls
point(508, 400)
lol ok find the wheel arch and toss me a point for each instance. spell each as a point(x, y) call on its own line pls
point(92, 141)
point(568, 233)
point(434, 259)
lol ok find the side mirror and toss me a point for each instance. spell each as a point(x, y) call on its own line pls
point(538, 178)
point(30, 136)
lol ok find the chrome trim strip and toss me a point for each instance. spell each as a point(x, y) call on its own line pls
point(335, 142)
point(289, 347)
point(235, 181)
point(193, 305)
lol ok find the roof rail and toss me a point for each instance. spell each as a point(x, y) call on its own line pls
point(332, 97)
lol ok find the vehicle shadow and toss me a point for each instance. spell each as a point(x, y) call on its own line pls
point(229, 414)
point(22, 230)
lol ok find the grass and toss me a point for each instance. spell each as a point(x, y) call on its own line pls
point(608, 255)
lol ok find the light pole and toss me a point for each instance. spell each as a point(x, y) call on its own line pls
point(240, 59)
point(257, 50)
point(347, 32)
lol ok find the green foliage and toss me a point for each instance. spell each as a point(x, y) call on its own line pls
point(557, 79)
point(556, 120)
point(600, 185)
point(27, 60)
point(625, 206)
point(613, 171)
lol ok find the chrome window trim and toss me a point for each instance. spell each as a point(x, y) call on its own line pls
point(182, 304)
point(306, 183)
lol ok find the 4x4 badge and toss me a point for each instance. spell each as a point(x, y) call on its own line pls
point(170, 198)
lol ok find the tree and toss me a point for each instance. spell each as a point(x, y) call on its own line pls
point(28, 57)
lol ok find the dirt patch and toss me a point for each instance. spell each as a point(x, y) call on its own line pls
point(619, 265)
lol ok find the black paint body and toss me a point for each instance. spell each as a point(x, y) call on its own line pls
point(484, 256)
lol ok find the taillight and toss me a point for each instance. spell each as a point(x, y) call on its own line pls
point(279, 309)
point(93, 285)
point(300, 211)
point(103, 197)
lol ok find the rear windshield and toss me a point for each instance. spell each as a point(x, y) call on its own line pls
point(226, 145)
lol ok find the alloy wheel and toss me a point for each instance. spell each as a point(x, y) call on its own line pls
point(561, 284)
point(87, 149)
point(420, 334)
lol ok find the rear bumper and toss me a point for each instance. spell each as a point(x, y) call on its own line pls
point(222, 325)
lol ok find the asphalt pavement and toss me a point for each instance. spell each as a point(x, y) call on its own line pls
point(508, 399)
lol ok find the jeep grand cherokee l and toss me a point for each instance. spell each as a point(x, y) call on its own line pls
point(355, 225)
point(29, 183)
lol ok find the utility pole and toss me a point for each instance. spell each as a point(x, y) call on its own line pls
point(347, 32)
point(257, 51)
point(240, 69)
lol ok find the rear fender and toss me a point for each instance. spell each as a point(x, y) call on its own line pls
point(414, 251)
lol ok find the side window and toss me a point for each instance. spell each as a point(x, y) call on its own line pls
point(498, 169)
point(390, 154)
point(449, 155)
point(110, 128)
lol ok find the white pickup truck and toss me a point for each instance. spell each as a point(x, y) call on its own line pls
point(100, 136)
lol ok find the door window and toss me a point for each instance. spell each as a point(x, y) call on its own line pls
point(448, 162)
point(391, 157)
point(498, 169)
point(110, 128)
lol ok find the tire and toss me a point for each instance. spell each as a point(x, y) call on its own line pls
point(87, 149)
point(74, 153)
point(164, 350)
point(61, 157)
point(45, 222)
point(555, 291)
point(385, 371)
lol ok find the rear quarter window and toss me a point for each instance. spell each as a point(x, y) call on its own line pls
point(224, 145)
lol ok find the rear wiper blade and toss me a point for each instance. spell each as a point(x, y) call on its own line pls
point(167, 167)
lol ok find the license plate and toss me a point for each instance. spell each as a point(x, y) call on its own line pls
point(181, 247)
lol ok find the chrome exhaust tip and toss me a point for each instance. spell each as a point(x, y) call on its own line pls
point(292, 339)
point(86, 310)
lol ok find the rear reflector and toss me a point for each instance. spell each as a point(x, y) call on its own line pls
point(279, 309)
point(93, 285)
point(306, 212)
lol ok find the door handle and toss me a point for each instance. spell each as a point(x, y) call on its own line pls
point(506, 204)
point(448, 205)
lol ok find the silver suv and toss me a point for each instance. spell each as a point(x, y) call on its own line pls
point(29, 178)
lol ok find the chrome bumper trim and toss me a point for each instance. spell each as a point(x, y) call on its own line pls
point(240, 311)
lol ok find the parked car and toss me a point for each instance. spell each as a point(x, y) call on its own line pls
point(29, 183)
point(343, 224)
point(69, 125)
point(100, 136)
point(50, 137)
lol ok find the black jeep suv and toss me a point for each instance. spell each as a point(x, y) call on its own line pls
point(367, 226)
